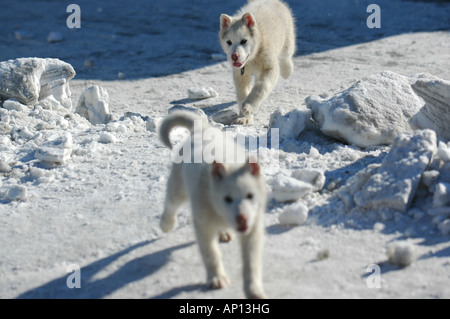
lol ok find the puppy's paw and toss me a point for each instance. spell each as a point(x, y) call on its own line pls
point(225, 237)
point(167, 223)
point(219, 282)
point(247, 110)
point(243, 120)
point(256, 294)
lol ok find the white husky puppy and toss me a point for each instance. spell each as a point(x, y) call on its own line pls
point(224, 197)
point(259, 40)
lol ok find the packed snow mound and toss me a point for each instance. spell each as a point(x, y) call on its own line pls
point(377, 108)
point(29, 80)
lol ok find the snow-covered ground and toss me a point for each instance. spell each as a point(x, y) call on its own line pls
point(100, 209)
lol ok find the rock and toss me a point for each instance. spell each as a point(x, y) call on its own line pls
point(31, 79)
point(293, 214)
point(94, 105)
point(371, 112)
point(288, 189)
point(323, 254)
point(436, 112)
point(55, 151)
point(291, 124)
point(201, 93)
point(394, 183)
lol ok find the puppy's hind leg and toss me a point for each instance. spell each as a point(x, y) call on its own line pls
point(288, 51)
point(175, 197)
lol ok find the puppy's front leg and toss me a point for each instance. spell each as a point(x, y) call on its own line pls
point(263, 86)
point(252, 247)
point(243, 84)
point(209, 249)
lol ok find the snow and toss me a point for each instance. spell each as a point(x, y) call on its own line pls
point(96, 198)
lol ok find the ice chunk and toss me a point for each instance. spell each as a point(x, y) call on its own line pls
point(94, 105)
point(200, 93)
point(17, 193)
point(394, 184)
point(444, 151)
point(311, 176)
point(56, 151)
point(371, 112)
point(31, 79)
point(436, 112)
point(12, 104)
point(286, 189)
point(441, 196)
point(291, 124)
point(293, 214)
point(107, 138)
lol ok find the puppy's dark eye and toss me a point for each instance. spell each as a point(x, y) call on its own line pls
point(228, 199)
point(250, 196)
point(229, 42)
point(244, 41)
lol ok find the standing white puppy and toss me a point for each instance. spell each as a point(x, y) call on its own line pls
point(259, 41)
point(223, 196)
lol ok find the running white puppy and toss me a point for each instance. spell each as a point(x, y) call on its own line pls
point(223, 197)
point(259, 40)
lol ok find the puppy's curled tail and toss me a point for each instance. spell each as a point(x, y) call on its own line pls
point(179, 118)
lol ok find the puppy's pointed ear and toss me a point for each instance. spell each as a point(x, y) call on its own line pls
point(225, 22)
point(249, 20)
point(253, 167)
point(218, 170)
